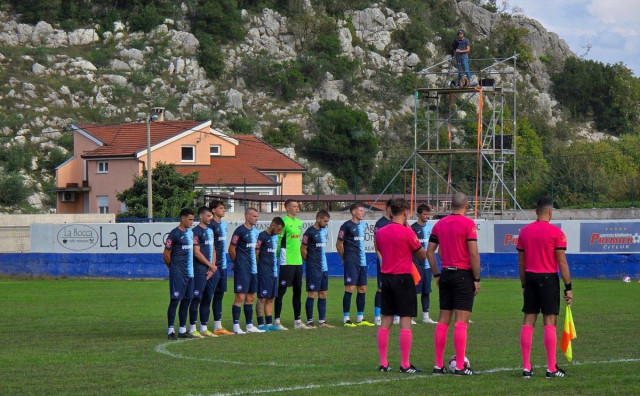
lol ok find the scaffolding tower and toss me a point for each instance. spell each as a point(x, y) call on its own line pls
point(466, 132)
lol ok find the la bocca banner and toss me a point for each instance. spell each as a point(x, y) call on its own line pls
point(621, 237)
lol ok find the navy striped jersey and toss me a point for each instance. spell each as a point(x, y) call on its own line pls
point(353, 236)
point(245, 241)
point(423, 233)
point(203, 238)
point(268, 253)
point(220, 241)
point(181, 245)
point(316, 242)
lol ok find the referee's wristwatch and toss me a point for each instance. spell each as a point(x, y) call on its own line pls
point(476, 279)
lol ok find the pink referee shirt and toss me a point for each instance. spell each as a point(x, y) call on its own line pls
point(452, 233)
point(396, 244)
point(539, 242)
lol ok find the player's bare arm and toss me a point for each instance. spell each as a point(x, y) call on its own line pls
point(474, 255)
point(166, 257)
point(340, 248)
point(232, 253)
point(303, 252)
point(431, 257)
point(561, 257)
point(521, 268)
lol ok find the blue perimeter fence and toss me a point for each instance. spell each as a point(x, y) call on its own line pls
point(493, 265)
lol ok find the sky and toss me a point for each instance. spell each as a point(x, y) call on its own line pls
point(610, 27)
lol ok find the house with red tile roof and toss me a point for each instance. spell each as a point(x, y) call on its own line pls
point(106, 158)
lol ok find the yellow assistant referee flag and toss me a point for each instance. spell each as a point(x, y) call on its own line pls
point(568, 334)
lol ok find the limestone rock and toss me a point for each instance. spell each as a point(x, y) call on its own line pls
point(234, 99)
point(38, 69)
point(117, 64)
point(83, 37)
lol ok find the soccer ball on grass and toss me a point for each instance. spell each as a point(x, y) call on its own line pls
point(452, 363)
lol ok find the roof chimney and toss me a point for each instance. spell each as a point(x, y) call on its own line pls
point(157, 114)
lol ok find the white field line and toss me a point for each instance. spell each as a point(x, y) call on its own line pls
point(162, 349)
point(382, 380)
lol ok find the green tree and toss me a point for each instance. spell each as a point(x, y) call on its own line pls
point(12, 189)
point(345, 141)
point(287, 134)
point(171, 192)
point(532, 167)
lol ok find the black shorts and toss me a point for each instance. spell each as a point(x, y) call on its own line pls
point(541, 293)
point(290, 275)
point(378, 273)
point(456, 290)
point(180, 287)
point(398, 296)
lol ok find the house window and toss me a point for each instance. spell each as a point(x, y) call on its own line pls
point(188, 153)
point(103, 167)
point(103, 204)
point(214, 149)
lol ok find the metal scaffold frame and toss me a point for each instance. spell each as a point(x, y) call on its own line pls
point(442, 145)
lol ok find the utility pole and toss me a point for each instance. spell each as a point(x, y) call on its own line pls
point(149, 165)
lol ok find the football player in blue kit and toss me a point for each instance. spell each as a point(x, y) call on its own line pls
point(350, 247)
point(422, 230)
point(314, 242)
point(245, 270)
point(267, 254)
point(219, 228)
point(178, 257)
point(203, 269)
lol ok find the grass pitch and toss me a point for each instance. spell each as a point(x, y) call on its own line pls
point(68, 336)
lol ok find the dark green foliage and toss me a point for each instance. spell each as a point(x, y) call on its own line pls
point(210, 56)
point(55, 158)
point(345, 141)
point(263, 72)
point(218, 18)
point(242, 125)
point(286, 135)
point(15, 158)
point(12, 188)
point(100, 56)
point(171, 192)
point(607, 93)
point(66, 141)
point(146, 18)
point(508, 39)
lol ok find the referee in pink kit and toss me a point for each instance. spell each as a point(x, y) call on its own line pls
point(397, 243)
point(541, 253)
point(460, 281)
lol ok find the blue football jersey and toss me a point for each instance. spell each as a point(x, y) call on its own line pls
point(245, 241)
point(353, 236)
point(180, 243)
point(423, 233)
point(316, 242)
point(268, 255)
point(203, 238)
point(220, 242)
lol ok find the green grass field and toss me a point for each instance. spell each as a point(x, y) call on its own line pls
point(67, 336)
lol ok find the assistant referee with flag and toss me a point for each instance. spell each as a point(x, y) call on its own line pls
point(541, 253)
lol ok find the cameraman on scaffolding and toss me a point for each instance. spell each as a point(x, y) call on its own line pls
point(461, 48)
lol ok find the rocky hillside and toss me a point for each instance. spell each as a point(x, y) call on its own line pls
point(52, 78)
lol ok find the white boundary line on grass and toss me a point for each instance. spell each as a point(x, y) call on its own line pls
point(162, 349)
point(377, 381)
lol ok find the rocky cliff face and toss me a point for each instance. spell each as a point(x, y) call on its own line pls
point(54, 78)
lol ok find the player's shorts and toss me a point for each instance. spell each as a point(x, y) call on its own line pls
point(317, 280)
point(219, 280)
point(541, 293)
point(424, 287)
point(355, 275)
point(456, 290)
point(378, 273)
point(398, 295)
point(267, 286)
point(199, 280)
point(245, 282)
point(290, 275)
point(180, 287)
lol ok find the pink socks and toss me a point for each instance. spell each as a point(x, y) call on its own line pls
point(440, 341)
point(405, 347)
point(526, 339)
point(383, 343)
point(550, 343)
point(460, 343)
